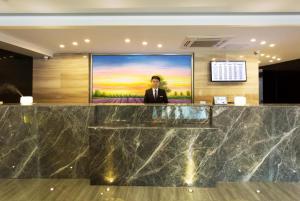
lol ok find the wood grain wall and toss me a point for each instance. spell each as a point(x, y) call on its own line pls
point(65, 79)
point(205, 90)
point(61, 79)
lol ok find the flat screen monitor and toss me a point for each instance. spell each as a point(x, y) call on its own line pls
point(228, 71)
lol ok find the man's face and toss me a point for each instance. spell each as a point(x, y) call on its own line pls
point(155, 83)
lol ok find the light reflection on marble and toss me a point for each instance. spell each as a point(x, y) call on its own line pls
point(18, 143)
point(252, 144)
point(176, 145)
point(260, 143)
point(44, 141)
point(149, 114)
point(153, 156)
point(63, 141)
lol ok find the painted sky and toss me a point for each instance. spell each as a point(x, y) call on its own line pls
point(130, 74)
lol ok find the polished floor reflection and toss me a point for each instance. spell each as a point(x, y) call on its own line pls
point(80, 190)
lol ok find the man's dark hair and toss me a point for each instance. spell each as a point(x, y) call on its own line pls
point(155, 77)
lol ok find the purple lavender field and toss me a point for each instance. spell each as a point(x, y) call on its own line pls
point(133, 100)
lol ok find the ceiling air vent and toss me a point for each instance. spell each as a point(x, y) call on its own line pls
point(204, 42)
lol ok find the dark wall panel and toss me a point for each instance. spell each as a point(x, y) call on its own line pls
point(281, 82)
point(15, 73)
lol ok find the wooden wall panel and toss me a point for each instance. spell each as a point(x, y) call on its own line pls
point(204, 89)
point(65, 79)
point(61, 79)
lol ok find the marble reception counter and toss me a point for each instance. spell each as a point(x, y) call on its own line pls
point(174, 145)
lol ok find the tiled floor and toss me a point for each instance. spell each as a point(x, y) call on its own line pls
point(80, 190)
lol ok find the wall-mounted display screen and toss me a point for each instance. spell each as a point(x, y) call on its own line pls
point(124, 78)
point(228, 71)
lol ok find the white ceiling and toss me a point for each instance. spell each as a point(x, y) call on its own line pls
point(146, 6)
point(110, 39)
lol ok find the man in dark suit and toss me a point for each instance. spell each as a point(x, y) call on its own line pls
point(155, 94)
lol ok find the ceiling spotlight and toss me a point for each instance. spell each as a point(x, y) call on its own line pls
point(259, 62)
point(278, 59)
point(62, 46)
point(272, 45)
point(144, 43)
point(271, 61)
point(87, 40)
point(262, 55)
point(84, 56)
point(127, 40)
point(159, 45)
point(213, 59)
point(75, 43)
point(273, 57)
point(253, 40)
point(242, 56)
point(268, 56)
point(263, 42)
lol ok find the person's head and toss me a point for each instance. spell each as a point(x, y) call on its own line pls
point(155, 81)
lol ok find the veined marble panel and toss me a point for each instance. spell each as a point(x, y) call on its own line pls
point(152, 115)
point(260, 143)
point(63, 140)
point(18, 142)
point(160, 145)
point(44, 141)
point(153, 156)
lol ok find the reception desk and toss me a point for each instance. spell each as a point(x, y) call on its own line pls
point(151, 145)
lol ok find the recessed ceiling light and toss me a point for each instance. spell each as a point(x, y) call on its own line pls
point(127, 40)
point(242, 56)
point(263, 42)
point(262, 54)
point(271, 61)
point(268, 56)
point(278, 59)
point(144, 43)
point(213, 59)
point(272, 45)
point(84, 56)
point(253, 40)
point(273, 57)
point(87, 40)
point(74, 43)
point(159, 45)
point(62, 46)
point(259, 62)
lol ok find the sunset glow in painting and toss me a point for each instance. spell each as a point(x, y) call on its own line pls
point(124, 78)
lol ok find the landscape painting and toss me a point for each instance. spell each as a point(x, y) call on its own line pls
point(124, 78)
